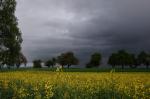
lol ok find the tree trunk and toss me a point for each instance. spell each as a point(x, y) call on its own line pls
point(17, 67)
point(122, 66)
point(8, 67)
point(68, 66)
point(62, 66)
point(113, 66)
point(147, 66)
point(1, 66)
point(133, 66)
point(25, 64)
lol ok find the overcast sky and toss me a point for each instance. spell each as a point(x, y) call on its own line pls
point(50, 27)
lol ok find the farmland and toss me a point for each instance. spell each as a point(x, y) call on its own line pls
point(45, 84)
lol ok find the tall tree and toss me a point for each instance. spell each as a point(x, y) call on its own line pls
point(10, 35)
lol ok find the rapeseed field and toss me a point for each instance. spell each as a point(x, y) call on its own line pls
point(74, 85)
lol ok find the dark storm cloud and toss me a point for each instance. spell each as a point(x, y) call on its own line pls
point(84, 26)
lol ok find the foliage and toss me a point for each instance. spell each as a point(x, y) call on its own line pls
point(37, 64)
point(10, 35)
point(21, 59)
point(95, 60)
point(144, 58)
point(88, 65)
point(64, 85)
point(123, 58)
point(50, 62)
point(67, 59)
point(113, 60)
point(62, 60)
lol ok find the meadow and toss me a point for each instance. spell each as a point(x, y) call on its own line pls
point(48, 84)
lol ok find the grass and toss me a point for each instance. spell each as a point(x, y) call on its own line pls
point(79, 69)
point(74, 84)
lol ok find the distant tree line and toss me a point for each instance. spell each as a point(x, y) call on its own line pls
point(123, 58)
point(65, 59)
point(119, 59)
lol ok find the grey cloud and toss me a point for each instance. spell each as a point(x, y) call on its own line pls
point(84, 26)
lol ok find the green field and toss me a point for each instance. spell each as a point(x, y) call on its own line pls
point(78, 69)
point(74, 84)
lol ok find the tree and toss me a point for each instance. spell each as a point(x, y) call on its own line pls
point(67, 59)
point(88, 65)
point(37, 64)
point(95, 60)
point(62, 60)
point(132, 61)
point(144, 59)
point(10, 35)
point(1, 58)
point(113, 60)
point(123, 58)
point(54, 61)
point(50, 62)
point(71, 59)
point(147, 61)
point(21, 59)
point(24, 60)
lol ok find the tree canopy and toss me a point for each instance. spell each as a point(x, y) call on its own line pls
point(144, 59)
point(37, 64)
point(68, 59)
point(21, 59)
point(10, 35)
point(50, 62)
point(123, 58)
point(95, 60)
